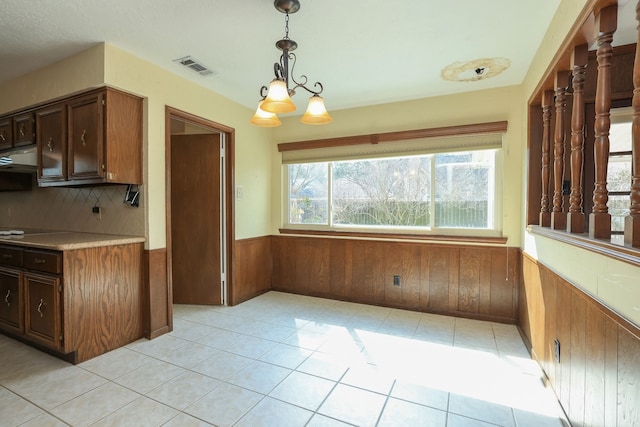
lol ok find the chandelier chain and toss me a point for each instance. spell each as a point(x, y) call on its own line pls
point(286, 26)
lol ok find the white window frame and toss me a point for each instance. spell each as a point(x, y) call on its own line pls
point(497, 207)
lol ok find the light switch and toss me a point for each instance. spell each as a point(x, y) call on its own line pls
point(239, 192)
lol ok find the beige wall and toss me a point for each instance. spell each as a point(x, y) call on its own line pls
point(466, 108)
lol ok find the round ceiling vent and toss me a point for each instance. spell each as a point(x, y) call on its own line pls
point(477, 69)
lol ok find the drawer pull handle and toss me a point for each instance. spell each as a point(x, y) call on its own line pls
point(39, 260)
point(84, 143)
point(50, 144)
point(40, 307)
point(6, 298)
point(7, 256)
point(21, 129)
point(2, 135)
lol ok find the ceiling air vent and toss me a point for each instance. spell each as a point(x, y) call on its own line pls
point(194, 65)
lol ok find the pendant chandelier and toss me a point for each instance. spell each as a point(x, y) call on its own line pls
point(277, 97)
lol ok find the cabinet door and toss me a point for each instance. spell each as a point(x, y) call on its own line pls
point(11, 302)
point(6, 136)
point(43, 310)
point(86, 135)
point(23, 130)
point(52, 144)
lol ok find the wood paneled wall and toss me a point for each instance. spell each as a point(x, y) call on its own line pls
point(251, 269)
point(158, 305)
point(478, 282)
point(597, 378)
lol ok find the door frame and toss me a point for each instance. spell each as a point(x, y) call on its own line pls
point(229, 185)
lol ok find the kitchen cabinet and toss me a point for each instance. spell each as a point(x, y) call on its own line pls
point(11, 305)
point(17, 130)
point(77, 303)
point(23, 129)
point(6, 133)
point(52, 143)
point(92, 138)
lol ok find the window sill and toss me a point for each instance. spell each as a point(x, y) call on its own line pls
point(624, 253)
point(398, 236)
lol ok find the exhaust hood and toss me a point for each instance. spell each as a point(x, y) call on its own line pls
point(19, 160)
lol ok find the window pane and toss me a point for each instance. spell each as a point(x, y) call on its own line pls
point(620, 137)
point(618, 208)
point(382, 192)
point(464, 189)
point(619, 173)
point(308, 198)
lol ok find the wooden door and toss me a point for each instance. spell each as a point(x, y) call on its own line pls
point(6, 134)
point(43, 311)
point(195, 219)
point(11, 317)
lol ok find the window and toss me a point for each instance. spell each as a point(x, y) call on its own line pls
point(429, 193)
point(619, 168)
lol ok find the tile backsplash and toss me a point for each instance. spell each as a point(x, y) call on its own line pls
point(70, 209)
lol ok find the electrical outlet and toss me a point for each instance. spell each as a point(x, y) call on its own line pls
point(97, 211)
point(396, 280)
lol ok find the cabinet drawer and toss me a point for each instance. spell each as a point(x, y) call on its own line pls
point(11, 256)
point(49, 262)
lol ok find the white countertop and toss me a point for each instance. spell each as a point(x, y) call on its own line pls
point(67, 240)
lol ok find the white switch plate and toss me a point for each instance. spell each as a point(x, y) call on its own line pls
point(239, 192)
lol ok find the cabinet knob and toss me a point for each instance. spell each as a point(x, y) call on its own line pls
point(84, 143)
point(6, 298)
point(50, 144)
point(40, 306)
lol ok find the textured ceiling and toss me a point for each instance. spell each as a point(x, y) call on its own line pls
point(363, 51)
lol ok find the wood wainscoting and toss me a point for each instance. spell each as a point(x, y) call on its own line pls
point(251, 269)
point(158, 305)
point(479, 282)
point(597, 374)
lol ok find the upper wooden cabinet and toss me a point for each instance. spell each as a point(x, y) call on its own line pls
point(23, 130)
point(92, 138)
point(6, 134)
point(17, 130)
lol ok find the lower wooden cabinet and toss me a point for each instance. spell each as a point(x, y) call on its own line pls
point(77, 303)
point(11, 311)
point(43, 311)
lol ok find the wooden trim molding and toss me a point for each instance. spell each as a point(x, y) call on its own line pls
point(397, 236)
point(478, 128)
point(621, 253)
point(158, 305)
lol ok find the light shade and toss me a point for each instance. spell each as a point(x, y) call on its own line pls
point(265, 118)
point(316, 113)
point(278, 99)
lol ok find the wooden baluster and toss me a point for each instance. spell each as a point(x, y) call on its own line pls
point(575, 217)
point(632, 222)
point(547, 101)
point(558, 217)
point(600, 219)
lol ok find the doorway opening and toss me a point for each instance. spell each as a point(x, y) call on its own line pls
point(199, 206)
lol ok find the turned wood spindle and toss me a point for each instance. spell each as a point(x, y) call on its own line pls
point(575, 217)
point(600, 219)
point(545, 213)
point(558, 216)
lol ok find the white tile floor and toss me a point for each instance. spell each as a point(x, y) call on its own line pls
point(288, 360)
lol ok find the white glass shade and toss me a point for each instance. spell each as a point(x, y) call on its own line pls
point(278, 99)
point(316, 113)
point(265, 118)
